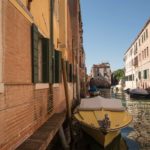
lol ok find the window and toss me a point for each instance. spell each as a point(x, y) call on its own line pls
point(147, 51)
point(139, 42)
point(41, 71)
point(146, 74)
point(40, 60)
point(29, 4)
point(57, 67)
point(146, 33)
point(126, 78)
point(139, 75)
point(70, 73)
point(136, 61)
point(130, 77)
point(144, 36)
point(135, 48)
point(142, 55)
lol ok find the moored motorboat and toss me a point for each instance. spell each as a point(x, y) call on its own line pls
point(102, 118)
point(139, 93)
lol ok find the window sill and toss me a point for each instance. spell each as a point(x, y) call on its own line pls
point(41, 86)
point(56, 85)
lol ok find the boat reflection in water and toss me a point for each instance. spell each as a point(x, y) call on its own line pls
point(137, 135)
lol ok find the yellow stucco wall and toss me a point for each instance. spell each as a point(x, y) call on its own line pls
point(56, 23)
point(41, 13)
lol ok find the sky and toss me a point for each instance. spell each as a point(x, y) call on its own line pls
point(110, 27)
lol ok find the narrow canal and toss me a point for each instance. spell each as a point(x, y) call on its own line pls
point(137, 134)
point(134, 137)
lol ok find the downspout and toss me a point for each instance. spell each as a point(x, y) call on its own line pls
point(51, 55)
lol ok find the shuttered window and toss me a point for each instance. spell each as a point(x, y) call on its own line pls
point(67, 70)
point(34, 39)
point(41, 58)
point(57, 67)
point(45, 60)
point(70, 73)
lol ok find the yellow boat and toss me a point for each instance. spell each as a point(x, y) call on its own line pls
point(92, 122)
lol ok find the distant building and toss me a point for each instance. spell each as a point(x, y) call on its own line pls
point(102, 70)
point(137, 60)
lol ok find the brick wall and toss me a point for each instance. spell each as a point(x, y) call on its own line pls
point(23, 108)
point(1, 47)
point(24, 111)
point(59, 98)
point(16, 31)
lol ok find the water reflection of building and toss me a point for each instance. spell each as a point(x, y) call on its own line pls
point(137, 60)
point(140, 112)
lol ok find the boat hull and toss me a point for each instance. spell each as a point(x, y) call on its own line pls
point(103, 139)
point(138, 96)
point(96, 93)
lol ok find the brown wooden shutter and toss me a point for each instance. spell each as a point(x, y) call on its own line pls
point(34, 41)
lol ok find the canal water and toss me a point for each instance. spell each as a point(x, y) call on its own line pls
point(137, 135)
point(134, 137)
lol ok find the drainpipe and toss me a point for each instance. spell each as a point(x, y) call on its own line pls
point(51, 55)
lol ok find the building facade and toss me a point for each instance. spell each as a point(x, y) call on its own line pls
point(137, 60)
point(102, 70)
point(36, 38)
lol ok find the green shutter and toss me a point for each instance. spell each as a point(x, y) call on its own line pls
point(50, 62)
point(67, 70)
point(56, 66)
point(58, 74)
point(45, 60)
point(60, 67)
point(71, 73)
point(34, 40)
